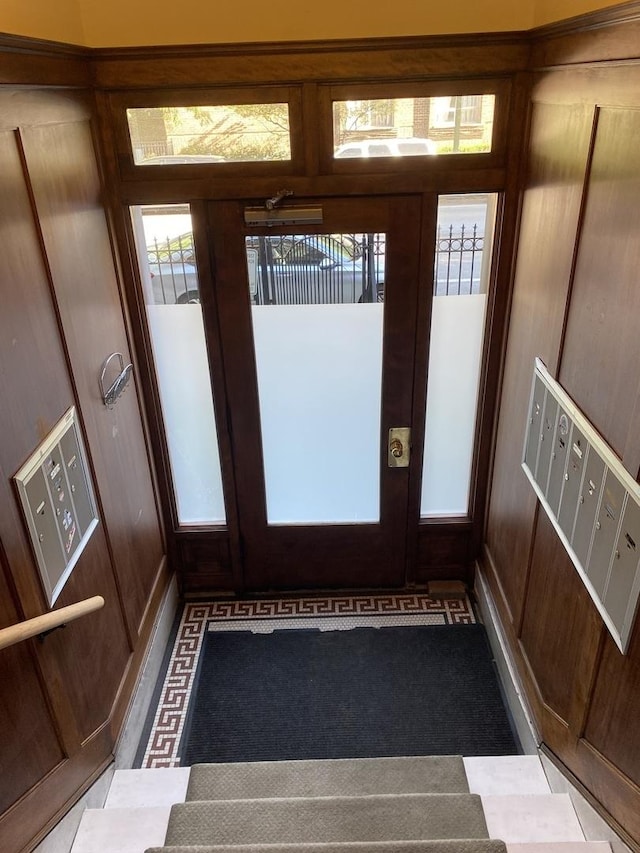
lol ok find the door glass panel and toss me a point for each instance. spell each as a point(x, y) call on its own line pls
point(461, 277)
point(231, 133)
point(317, 309)
point(169, 276)
point(406, 127)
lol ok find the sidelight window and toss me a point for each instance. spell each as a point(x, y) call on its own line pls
point(464, 242)
point(171, 290)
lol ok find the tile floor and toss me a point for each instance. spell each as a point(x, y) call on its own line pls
point(330, 613)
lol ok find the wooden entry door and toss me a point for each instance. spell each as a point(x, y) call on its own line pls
point(317, 334)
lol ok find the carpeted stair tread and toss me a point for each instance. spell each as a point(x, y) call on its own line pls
point(458, 845)
point(410, 817)
point(328, 778)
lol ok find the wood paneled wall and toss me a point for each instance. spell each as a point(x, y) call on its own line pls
point(63, 699)
point(576, 304)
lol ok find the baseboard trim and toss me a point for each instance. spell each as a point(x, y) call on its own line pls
point(513, 690)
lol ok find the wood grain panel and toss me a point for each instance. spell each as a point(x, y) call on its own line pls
point(612, 726)
point(31, 69)
point(561, 628)
point(34, 106)
point(444, 552)
point(66, 187)
point(143, 68)
point(558, 154)
point(602, 347)
point(617, 798)
point(80, 667)
point(205, 561)
point(86, 659)
point(37, 812)
point(596, 43)
point(25, 716)
point(594, 84)
point(34, 386)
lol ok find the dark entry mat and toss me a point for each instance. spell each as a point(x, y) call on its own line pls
point(367, 692)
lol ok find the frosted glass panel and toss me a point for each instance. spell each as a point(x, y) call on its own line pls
point(185, 393)
point(454, 367)
point(463, 257)
point(319, 381)
point(169, 277)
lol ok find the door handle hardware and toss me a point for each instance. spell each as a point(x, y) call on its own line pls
point(399, 447)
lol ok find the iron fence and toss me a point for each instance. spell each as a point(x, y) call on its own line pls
point(319, 268)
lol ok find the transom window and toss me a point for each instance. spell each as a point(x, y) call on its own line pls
point(400, 127)
point(226, 133)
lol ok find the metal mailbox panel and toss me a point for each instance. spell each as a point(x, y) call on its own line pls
point(592, 501)
point(47, 537)
point(535, 423)
point(57, 500)
point(572, 482)
point(606, 532)
point(547, 432)
point(77, 480)
point(625, 565)
point(558, 460)
point(588, 503)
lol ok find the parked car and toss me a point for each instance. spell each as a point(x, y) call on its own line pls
point(180, 159)
point(400, 147)
point(320, 269)
point(172, 266)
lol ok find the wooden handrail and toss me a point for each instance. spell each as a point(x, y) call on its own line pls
point(48, 621)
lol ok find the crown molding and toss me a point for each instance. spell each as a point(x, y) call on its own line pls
point(623, 13)
point(42, 47)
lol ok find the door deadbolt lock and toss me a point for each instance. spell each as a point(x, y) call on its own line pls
point(399, 448)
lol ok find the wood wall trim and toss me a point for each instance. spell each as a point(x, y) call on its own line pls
point(603, 36)
point(620, 14)
point(377, 62)
point(36, 62)
point(166, 192)
point(43, 47)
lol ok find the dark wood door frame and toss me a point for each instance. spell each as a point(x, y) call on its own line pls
point(345, 555)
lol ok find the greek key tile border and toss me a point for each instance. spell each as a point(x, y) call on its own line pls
point(330, 613)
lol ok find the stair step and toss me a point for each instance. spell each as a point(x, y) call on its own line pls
point(561, 847)
point(531, 819)
point(327, 819)
point(119, 830)
point(328, 778)
point(506, 774)
point(148, 788)
point(452, 846)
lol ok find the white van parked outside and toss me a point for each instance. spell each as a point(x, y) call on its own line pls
point(403, 147)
